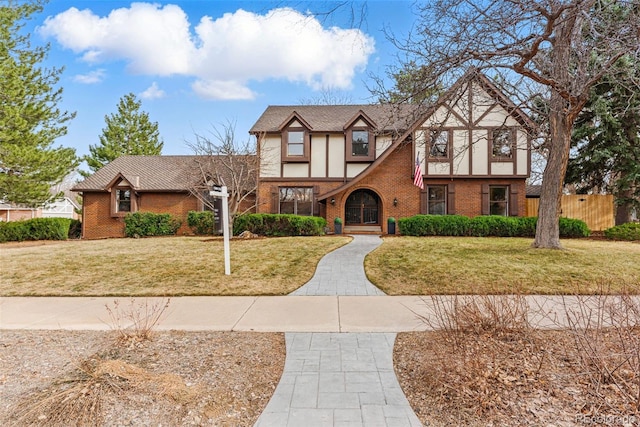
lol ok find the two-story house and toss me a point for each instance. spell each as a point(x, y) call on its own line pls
point(358, 162)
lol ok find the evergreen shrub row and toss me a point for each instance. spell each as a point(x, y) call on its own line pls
point(201, 222)
point(484, 226)
point(35, 229)
point(279, 225)
point(628, 231)
point(145, 224)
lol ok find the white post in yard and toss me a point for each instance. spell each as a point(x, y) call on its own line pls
point(222, 192)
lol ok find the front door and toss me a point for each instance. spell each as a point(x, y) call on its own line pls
point(362, 208)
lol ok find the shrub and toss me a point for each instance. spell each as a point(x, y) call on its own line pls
point(628, 231)
point(35, 229)
point(484, 226)
point(570, 227)
point(494, 225)
point(279, 225)
point(144, 224)
point(434, 225)
point(201, 223)
point(75, 229)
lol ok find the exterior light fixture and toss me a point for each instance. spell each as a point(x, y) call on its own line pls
point(333, 201)
point(395, 201)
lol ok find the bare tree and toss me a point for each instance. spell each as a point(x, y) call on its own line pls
point(222, 160)
point(564, 46)
point(328, 96)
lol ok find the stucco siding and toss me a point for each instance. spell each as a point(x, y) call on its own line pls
point(318, 156)
point(270, 156)
point(336, 156)
point(354, 169)
point(295, 170)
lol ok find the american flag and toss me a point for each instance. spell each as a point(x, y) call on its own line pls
point(417, 179)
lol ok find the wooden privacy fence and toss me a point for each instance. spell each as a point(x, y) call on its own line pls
point(594, 209)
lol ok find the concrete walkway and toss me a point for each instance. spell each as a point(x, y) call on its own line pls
point(340, 379)
point(341, 272)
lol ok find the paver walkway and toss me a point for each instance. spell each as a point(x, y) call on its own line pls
point(341, 272)
point(339, 379)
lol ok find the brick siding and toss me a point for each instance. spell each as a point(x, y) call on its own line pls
point(97, 222)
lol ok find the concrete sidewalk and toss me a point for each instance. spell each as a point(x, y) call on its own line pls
point(265, 314)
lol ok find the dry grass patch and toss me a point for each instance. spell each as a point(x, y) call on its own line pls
point(460, 265)
point(85, 378)
point(487, 366)
point(162, 266)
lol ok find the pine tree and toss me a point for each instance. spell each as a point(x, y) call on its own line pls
point(128, 132)
point(606, 140)
point(30, 120)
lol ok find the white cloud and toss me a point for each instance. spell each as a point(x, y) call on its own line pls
point(152, 92)
point(218, 89)
point(223, 55)
point(95, 76)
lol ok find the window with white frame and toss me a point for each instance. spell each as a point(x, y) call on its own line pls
point(295, 143)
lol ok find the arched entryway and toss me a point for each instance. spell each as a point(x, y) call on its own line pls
point(362, 208)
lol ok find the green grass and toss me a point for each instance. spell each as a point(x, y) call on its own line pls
point(162, 266)
point(460, 265)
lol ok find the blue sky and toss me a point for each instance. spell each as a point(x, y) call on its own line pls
point(196, 64)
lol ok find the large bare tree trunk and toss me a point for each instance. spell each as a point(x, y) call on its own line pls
point(547, 229)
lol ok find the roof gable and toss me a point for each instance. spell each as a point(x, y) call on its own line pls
point(293, 118)
point(360, 115)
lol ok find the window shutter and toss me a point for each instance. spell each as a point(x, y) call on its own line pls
point(423, 201)
point(451, 199)
point(275, 199)
point(513, 202)
point(485, 199)
point(315, 203)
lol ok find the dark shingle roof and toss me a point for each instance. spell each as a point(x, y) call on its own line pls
point(154, 173)
point(533, 190)
point(333, 118)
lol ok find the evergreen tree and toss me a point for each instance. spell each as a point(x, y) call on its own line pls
point(128, 132)
point(30, 120)
point(606, 140)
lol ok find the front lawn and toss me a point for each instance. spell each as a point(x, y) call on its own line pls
point(466, 265)
point(161, 266)
point(277, 266)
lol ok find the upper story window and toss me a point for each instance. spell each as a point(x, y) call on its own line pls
point(359, 143)
point(502, 144)
point(295, 143)
point(439, 144)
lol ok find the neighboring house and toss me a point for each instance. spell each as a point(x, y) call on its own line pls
point(357, 162)
point(64, 207)
point(9, 212)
